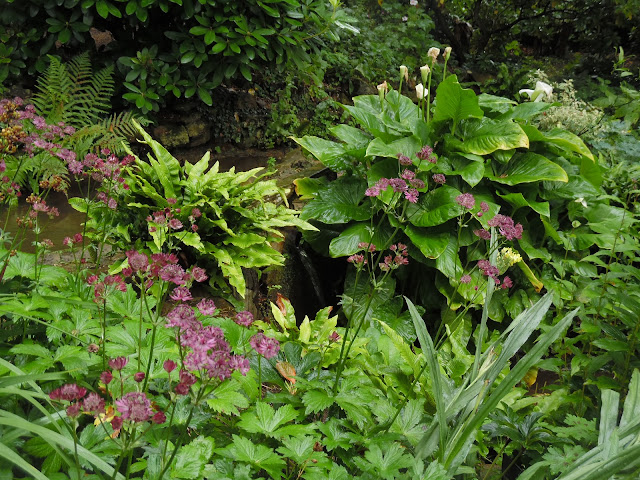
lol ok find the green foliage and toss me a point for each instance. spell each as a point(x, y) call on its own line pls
point(236, 223)
point(182, 47)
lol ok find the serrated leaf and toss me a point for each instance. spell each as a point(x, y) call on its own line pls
point(317, 401)
point(228, 398)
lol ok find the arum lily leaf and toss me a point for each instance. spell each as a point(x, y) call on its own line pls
point(434, 207)
point(347, 243)
point(407, 146)
point(494, 103)
point(455, 103)
point(531, 167)
point(486, 136)
point(339, 202)
point(517, 200)
point(331, 154)
point(566, 140)
point(431, 244)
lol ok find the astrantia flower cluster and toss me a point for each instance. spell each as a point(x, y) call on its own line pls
point(507, 227)
point(492, 271)
point(209, 352)
point(70, 393)
point(265, 346)
point(426, 153)
point(399, 257)
point(135, 407)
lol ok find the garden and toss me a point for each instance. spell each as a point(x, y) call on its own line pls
point(309, 239)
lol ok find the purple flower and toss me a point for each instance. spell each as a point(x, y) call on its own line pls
point(137, 261)
point(118, 363)
point(465, 279)
point(408, 174)
point(75, 167)
point(182, 316)
point(207, 307)
point(68, 392)
point(488, 269)
point(466, 200)
point(172, 273)
point(370, 247)
point(138, 376)
point(484, 206)
point(175, 224)
point(106, 377)
point(398, 185)
point(244, 319)
point(357, 259)
point(483, 234)
point(334, 337)
point(73, 410)
point(159, 418)
point(439, 178)
point(426, 153)
point(265, 346)
point(135, 406)
point(412, 195)
point(506, 226)
point(181, 294)
point(506, 283)
point(198, 274)
point(169, 366)
point(238, 362)
point(403, 159)
point(187, 378)
point(94, 403)
point(372, 191)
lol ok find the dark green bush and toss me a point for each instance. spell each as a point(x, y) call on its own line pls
point(161, 47)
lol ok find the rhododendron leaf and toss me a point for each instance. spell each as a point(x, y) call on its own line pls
point(530, 167)
point(455, 103)
point(486, 136)
point(434, 207)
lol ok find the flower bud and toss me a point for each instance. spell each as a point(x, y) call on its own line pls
point(138, 376)
point(404, 72)
point(447, 53)
point(433, 54)
point(383, 88)
point(424, 73)
point(420, 91)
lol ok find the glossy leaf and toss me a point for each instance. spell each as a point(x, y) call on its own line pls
point(455, 103)
point(485, 136)
point(434, 207)
point(531, 167)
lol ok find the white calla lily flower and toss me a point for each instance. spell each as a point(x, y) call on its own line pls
point(541, 91)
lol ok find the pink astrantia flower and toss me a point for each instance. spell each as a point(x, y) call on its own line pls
point(507, 227)
point(239, 363)
point(404, 160)
point(439, 178)
point(265, 346)
point(159, 418)
point(182, 316)
point(367, 246)
point(68, 392)
point(137, 261)
point(198, 274)
point(118, 363)
point(489, 270)
point(465, 279)
point(244, 319)
point(93, 403)
point(181, 294)
point(172, 273)
point(466, 200)
point(206, 307)
point(483, 234)
point(135, 406)
point(106, 377)
point(357, 259)
point(169, 366)
point(506, 283)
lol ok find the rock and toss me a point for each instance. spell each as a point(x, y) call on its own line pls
point(171, 135)
point(198, 133)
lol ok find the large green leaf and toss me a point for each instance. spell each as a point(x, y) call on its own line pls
point(517, 200)
point(339, 202)
point(486, 136)
point(407, 146)
point(531, 167)
point(562, 138)
point(431, 244)
point(331, 154)
point(166, 167)
point(434, 207)
point(524, 111)
point(455, 103)
point(373, 124)
point(347, 243)
point(494, 103)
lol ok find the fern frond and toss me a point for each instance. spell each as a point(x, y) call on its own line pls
point(54, 91)
point(42, 166)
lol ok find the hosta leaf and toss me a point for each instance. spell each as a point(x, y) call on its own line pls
point(531, 167)
point(455, 103)
point(434, 207)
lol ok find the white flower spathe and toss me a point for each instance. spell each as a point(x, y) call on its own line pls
point(542, 89)
point(420, 91)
